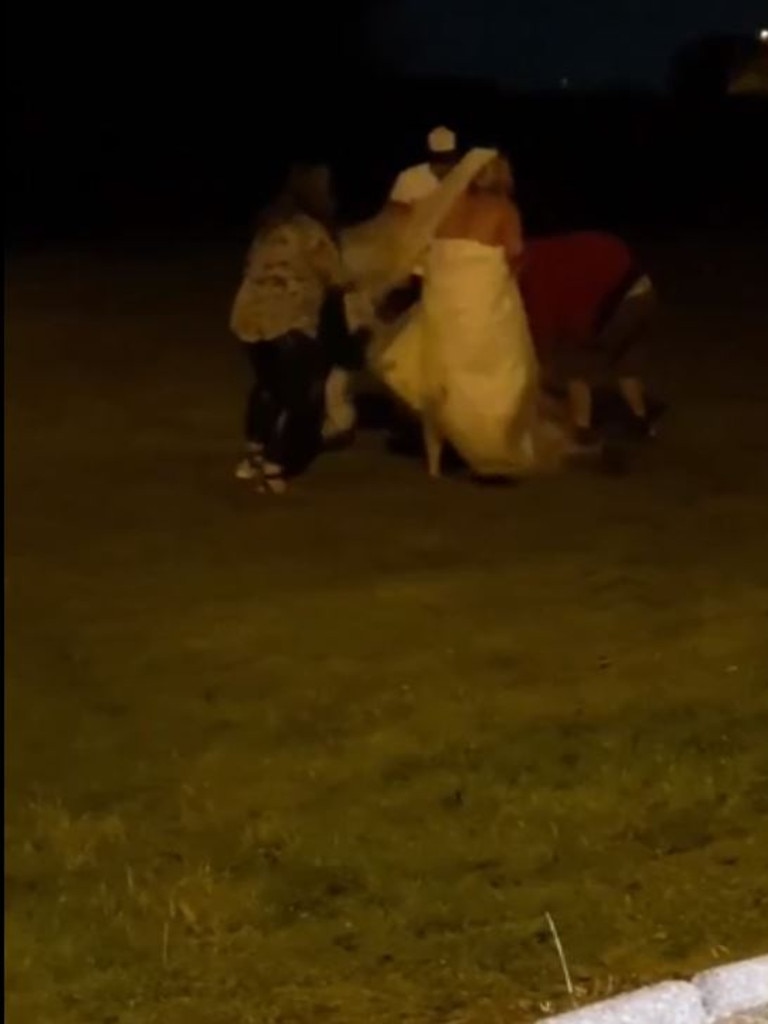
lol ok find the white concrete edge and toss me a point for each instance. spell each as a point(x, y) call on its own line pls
point(712, 997)
point(734, 988)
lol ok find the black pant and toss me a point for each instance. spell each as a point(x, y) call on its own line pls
point(285, 404)
point(342, 347)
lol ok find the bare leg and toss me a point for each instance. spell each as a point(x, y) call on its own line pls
point(433, 443)
point(633, 393)
point(580, 404)
point(340, 414)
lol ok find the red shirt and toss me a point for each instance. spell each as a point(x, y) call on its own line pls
point(571, 283)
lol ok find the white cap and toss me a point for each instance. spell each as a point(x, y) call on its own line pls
point(441, 140)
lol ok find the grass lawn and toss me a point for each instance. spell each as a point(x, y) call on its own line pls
point(334, 758)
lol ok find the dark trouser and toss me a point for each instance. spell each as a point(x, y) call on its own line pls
point(618, 350)
point(623, 340)
point(286, 400)
point(343, 348)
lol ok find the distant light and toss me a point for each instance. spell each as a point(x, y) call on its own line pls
point(763, 34)
point(565, 83)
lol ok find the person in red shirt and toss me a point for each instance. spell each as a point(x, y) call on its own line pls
point(589, 304)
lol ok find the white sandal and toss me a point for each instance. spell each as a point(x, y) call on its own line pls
point(271, 479)
point(249, 467)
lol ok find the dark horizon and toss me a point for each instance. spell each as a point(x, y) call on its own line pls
point(153, 121)
point(532, 46)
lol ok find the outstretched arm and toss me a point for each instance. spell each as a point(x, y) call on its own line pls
point(401, 193)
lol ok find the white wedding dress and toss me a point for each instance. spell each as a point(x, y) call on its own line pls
point(465, 358)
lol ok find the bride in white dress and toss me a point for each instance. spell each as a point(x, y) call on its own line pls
point(462, 359)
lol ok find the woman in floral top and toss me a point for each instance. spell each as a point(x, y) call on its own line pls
point(293, 265)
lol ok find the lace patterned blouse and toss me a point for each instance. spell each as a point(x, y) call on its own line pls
point(290, 267)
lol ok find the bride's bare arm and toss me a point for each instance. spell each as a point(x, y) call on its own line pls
point(511, 229)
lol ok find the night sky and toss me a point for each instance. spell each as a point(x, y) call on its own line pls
point(525, 43)
point(107, 105)
point(536, 43)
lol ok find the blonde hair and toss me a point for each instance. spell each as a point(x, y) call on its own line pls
point(496, 178)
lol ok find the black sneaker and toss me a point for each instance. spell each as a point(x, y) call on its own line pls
point(338, 442)
point(587, 437)
point(640, 428)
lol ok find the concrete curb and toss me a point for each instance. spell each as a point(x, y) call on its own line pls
point(734, 994)
point(734, 988)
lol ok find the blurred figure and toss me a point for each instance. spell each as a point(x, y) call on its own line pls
point(293, 266)
point(590, 305)
point(344, 342)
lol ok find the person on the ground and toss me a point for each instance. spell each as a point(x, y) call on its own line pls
point(293, 265)
point(590, 304)
point(344, 342)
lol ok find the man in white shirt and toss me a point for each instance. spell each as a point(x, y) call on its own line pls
point(413, 185)
point(418, 182)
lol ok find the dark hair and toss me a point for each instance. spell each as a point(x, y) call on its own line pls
point(306, 189)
